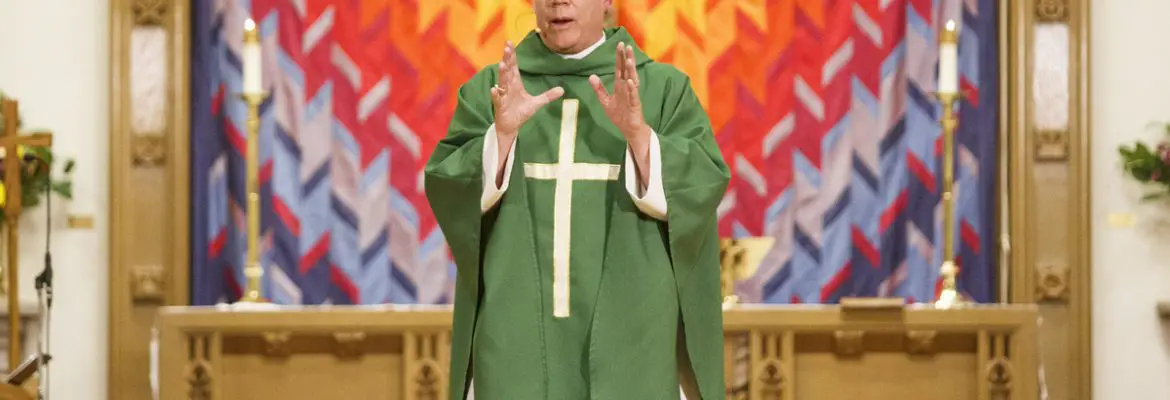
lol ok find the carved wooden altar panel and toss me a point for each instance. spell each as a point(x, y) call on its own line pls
point(313, 365)
point(979, 353)
point(309, 353)
point(773, 353)
point(1045, 137)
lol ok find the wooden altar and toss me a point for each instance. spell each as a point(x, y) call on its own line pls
point(772, 352)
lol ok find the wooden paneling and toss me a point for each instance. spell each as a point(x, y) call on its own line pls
point(149, 191)
point(1045, 132)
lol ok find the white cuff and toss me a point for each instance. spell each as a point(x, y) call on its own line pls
point(491, 154)
point(653, 201)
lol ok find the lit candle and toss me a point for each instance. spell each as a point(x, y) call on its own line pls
point(948, 60)
point(251, 56)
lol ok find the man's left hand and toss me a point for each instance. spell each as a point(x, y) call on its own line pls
point(624, 106)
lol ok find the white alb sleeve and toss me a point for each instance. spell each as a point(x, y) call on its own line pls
point(491, 154)
point(652, 201)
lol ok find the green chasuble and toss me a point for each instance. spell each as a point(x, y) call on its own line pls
point(565, 290)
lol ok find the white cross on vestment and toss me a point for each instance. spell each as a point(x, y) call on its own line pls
point(564, 172)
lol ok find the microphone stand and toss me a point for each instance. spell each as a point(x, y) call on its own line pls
point(44, 287)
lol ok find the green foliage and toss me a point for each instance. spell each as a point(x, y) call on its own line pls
point(1149, 165)
point(35, 175)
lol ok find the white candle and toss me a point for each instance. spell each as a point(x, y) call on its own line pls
point(251, 59)
point(948, 60)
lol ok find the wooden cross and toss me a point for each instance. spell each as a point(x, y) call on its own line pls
point(10, 141)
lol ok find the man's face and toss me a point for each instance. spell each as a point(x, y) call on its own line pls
point(570, 26)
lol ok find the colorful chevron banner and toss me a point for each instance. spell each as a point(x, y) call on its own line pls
point(823, 108)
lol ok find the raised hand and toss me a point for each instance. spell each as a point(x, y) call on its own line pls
point(514, 106)
point(624, 106)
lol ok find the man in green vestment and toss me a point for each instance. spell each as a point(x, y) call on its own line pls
point(589, 271)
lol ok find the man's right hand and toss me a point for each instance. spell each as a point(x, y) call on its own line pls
point(514, 106)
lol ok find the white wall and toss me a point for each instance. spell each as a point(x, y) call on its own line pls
point(54, 58)
point(1131, 265)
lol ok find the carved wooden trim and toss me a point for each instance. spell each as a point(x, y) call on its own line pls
point(148, 283)
point(276, 344)
point(920, 342)
point(150, 12)
point(1051, 145)
point(199, 368)
point(772, 377)
point(199, 379)
point(149, 150)
point(428, 380)
point(349, 344)
point(425, 354)
point(999, 376)
point(770, 372)
point(848, 343)
point(1052, 10)
point(1052, 283)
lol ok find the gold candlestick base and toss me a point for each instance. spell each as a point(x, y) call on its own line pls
point(729, 302)
point(950, 297)
point(739, 259)
point(253, 272)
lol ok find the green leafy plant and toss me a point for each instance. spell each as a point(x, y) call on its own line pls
point(36, 166)
point(35, 177)
point(1149, 165)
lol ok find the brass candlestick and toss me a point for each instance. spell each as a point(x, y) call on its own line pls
point(950, 296)
point(253, 271)
point(738, 260)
